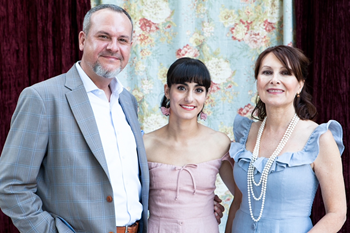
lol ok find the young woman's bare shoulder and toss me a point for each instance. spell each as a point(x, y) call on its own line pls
point(222, 138)
point(218, 140)
point(152, 138)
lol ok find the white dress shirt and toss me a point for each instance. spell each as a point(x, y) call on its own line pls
point(119, 147)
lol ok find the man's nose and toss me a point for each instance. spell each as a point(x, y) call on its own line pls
point(113, 45)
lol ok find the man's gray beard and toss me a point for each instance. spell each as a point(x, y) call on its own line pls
point(100, 71)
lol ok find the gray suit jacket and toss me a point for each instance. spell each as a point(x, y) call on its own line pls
point(53, 171)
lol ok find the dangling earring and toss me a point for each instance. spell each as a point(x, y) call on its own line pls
point(166, 110)
point(203, 116)
point(298, 95)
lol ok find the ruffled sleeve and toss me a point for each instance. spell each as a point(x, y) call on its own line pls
point(312, 147)
point(288, 159)
point(241, 128)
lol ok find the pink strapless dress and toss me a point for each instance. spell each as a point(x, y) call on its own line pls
point(181, 198)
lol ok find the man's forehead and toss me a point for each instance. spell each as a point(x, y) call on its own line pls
point(107, 14)
point(104, 19)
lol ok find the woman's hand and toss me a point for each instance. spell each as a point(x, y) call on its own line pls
point(218, 208)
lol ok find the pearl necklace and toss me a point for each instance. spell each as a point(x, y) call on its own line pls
point(265, 173)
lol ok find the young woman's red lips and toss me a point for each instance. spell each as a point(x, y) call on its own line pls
point(188, 107)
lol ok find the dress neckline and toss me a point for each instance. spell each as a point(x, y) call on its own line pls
point(292, 152)
point(201, 163)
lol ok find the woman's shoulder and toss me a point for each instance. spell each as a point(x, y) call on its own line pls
point(309, 124)
point(326, 133)
point(216, 136)
point(216, 141)
point(319, 136)
point(148, 137)
point(306, 128)
point(153, 138)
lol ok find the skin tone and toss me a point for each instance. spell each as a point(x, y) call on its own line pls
point(277, 89)
point(185, 141)
point(107, 45)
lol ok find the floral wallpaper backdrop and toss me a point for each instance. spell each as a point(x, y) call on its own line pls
point(226, 35)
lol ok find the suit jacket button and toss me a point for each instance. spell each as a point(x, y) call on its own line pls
point(109, 199)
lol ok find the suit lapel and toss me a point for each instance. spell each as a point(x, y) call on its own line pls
point(81, 108)
point(131, 117)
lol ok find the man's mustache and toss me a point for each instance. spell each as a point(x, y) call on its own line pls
point(109, 54)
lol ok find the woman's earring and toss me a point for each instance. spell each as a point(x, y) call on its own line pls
point(167, 105)
point(203, 116)
point(298, 95)
point(166, 110)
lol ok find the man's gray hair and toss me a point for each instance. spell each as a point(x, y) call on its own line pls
point(87, 18)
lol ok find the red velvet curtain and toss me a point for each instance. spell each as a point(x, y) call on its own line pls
point(38, 40)
point(323, 33)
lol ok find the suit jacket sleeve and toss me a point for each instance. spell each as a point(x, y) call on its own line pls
point(23, 153)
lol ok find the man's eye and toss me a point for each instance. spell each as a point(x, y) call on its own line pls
point(123, 41)
point(103, 36)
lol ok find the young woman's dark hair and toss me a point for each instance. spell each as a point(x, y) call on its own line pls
point(187, 70)
point(296, 63)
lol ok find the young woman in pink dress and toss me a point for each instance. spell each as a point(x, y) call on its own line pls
point(185, 156)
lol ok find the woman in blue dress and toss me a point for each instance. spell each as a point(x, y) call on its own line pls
point(282, 158)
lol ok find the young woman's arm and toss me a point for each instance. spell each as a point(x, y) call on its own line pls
point(226, 174)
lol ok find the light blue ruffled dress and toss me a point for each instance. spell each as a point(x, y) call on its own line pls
point(291, 185)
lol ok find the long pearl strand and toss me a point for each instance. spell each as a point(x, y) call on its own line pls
point(265, 173)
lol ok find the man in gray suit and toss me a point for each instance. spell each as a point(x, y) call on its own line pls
point(74, 159)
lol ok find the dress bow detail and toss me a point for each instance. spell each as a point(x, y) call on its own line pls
point(185, 168)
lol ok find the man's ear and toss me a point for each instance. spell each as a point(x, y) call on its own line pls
point(82, 38)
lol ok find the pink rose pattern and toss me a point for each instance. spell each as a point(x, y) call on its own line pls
point(253, 38)
point(246, 111)
point(187, 51)
point(148, 26)
point(269, 27)
point(214, 87)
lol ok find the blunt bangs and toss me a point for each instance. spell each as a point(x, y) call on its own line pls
point(189, 70)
